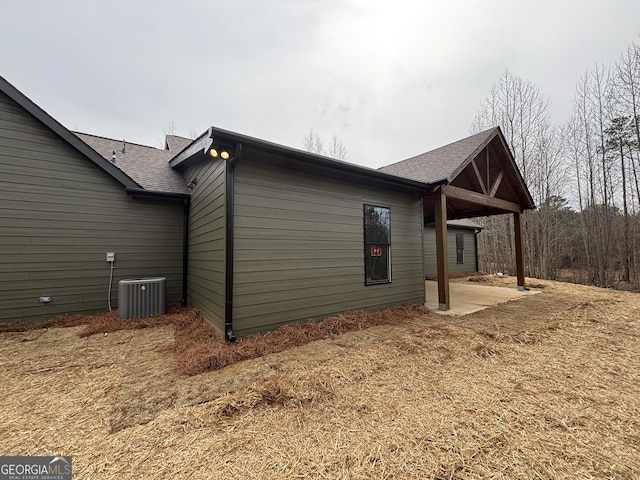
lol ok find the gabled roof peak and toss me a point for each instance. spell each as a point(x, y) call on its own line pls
point(176, 143)
point(479, 170)
point(442, 163)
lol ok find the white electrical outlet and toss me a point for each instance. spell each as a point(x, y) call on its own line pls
point(111, 257)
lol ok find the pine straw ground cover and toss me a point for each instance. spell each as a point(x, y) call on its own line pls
point(198, 349)
point(547, 386)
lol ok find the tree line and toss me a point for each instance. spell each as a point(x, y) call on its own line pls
point(584, 177)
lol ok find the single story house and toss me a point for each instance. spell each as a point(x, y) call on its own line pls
point(252, 233)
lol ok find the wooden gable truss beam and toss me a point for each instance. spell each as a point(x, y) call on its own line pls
point(480, 199)
point(487, 187)
point(496, 184)
point(479, 177)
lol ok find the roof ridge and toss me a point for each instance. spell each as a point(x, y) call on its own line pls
point(442, 163)
point(116, 140)
point(448, 145)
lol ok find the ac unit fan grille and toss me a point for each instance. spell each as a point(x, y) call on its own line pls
point(141, 297)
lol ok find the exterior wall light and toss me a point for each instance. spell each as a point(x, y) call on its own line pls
point(222, 153)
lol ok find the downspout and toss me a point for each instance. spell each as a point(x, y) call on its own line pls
point(185, 250)
point(229, 336)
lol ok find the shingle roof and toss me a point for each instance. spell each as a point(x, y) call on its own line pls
point(441, 163)
point(176, 144)
point(148, 166)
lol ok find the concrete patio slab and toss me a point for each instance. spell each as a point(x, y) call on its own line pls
point(470, 297)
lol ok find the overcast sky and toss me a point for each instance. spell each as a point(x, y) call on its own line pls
point(390, 78)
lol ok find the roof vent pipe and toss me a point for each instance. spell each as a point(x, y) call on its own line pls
point(113, 156)
point(124, 146)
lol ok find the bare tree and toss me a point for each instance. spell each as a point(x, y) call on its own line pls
point(592, 210)
point(618, 141)
point(337, 149)
point(627, 95)
point(520, 109)
point(594, 159)
point(314, 144)
point(602, 142)
point(624, 143)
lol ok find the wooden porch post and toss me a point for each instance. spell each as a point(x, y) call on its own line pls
point(441, 251)
point(519, 250)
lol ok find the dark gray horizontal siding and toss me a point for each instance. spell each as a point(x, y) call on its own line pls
point(469, 265)
point(207, 235)
point(299, 248)
point(60, 215)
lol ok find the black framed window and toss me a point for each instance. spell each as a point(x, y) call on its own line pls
point(377, 245)
point(459, 248)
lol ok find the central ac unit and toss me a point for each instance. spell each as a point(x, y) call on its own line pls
point(141, 297)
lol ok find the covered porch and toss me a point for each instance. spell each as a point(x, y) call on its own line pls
point(474, 177)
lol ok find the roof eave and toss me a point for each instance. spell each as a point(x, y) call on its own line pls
point(142, 192)
point(305, 161)
point(200, 145)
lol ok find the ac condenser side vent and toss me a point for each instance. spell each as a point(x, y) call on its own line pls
point(141, 297)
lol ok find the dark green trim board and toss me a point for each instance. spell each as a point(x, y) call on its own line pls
point(138, 192)
point(229, 335)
